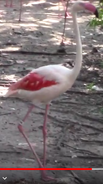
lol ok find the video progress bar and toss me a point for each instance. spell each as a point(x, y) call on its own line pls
point(97, 169)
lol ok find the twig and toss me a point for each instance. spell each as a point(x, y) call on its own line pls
point(91, 141)
point(4, 65)
point(74, 122)
point(68, 102)
point(24, 71)
point(86, 125)
point(66, 128)
point(61, 136)
point(92, 127)
point(90, 118)
point(5, 83)
point(18, 152)
point(83, 157)
point(49, 116)
point(76, 177)
point(6, 113)
point(91, 134)
point(86, 116)
point(36, 53)
point(82, 150)
point(85, 92)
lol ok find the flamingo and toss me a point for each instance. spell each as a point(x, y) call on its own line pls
point(11, 5)
point(45, 83)
point(65, 4)
point(7, 4)
point(21, 4)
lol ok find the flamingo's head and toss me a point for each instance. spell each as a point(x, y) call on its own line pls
point(78, 6)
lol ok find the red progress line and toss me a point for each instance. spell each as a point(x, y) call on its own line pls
point(45, 168)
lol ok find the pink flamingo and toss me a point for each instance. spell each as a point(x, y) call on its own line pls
point(11, 5)
point(7, 3)
point(44, 84)
point(21, 4)
point(65, 7)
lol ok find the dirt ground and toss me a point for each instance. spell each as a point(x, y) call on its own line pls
point(75, 125)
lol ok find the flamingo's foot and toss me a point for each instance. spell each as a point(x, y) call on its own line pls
point(61, 48)
point(62, 43)
point(6, 5)
point(43, 162)
point(68, 15)
point(11, 6)
point(45, 177)
point(48, 178)
point(59, 16)
point(1, 13)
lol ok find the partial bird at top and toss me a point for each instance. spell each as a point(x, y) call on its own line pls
point(44, 84)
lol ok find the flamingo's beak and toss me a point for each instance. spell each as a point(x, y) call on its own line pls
point(96, 13)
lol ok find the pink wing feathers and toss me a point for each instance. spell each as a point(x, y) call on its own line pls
point(32, 82)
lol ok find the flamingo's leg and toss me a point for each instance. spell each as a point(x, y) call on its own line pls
point(59, 4)
point(45, 134)
point(6, 3)
point(67, 14)
point(11, 4)
point(21, 129)
point(65, 18)
point(28, 112)
point(21, 3)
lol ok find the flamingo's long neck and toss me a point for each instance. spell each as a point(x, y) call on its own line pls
point(78, 60)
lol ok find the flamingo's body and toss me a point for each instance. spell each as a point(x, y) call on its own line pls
point(44, 84)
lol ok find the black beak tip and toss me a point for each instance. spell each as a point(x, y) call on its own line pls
point(96, 13)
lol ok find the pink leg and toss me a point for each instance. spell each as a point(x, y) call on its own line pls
point(11, 4)
point(63, 3)
point(20, 127)
point(65, 18)
point(28, 112)
point(6, 3)
point(59, 9)
point(59, 4)
point(45, 134)
point(20, 10)
point(65, 9)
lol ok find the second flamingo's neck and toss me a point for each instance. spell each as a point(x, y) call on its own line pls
point(78, 60)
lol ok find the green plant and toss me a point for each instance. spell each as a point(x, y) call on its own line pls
point(101, 110)
point(101, 64)
point(97, 21)
point(90, 85)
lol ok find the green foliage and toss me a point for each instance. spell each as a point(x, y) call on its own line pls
point(101, 110)
point(101, 64)
point(97, 21)
point(89, 86)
